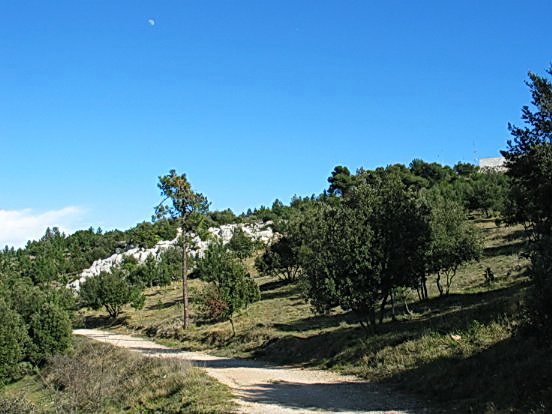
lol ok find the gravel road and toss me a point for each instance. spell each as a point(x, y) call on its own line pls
point(269, 389)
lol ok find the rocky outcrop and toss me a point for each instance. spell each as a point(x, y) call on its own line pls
point(259, 232)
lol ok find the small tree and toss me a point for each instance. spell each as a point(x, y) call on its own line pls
point(112, 291)
point(486, 191)
point(50, 331)
point(241, 244)
point(188, 209)
point(234, 288)
point(280, 258)
point(454, 240)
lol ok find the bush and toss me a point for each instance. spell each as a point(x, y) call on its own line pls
point(213, 306)
point(13, 343)
point(35, 322)
point(281, 258)
point(241, 244)
point(112, 291)
point(233, 287)
point(50, 331)
point(17, 405)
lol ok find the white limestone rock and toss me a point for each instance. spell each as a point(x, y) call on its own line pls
point(259, 232)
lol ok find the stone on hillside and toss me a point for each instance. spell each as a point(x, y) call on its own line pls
point(258, 232)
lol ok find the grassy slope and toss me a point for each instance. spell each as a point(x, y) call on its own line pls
point(99, 378)
point(457, 350)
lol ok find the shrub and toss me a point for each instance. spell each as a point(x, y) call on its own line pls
point(112, 291)
point(280, 258)
point(17, 405)
point(241, 244)
point(13, 342)
point(234, 288)
point(213, 306)
point(50, 332)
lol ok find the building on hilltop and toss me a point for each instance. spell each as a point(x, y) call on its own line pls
point(492, 164)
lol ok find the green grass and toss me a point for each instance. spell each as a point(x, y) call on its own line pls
point(99, 378)
point(457, 351)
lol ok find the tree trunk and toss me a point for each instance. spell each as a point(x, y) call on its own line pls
point(233, 329)
point(369, 325)
point(185, 310)
point(419, 291)
point(439, 284)
point(393, 316)
point(425, 288)
point(450, 276)
point(382, 308)
point(373, 319)
point(408, 311)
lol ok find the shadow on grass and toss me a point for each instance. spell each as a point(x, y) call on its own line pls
point(317, 322)
point(512, 373)
point(520, 234)
point(164, 305)
point(505, 249)
point(278, 295)
point(348, 344)
point(274, 289)
point(514, 376)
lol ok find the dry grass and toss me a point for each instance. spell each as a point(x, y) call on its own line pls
point(99, 378)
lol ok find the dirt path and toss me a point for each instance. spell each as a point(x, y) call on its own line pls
point(268, 389)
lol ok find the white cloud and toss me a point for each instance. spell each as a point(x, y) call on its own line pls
point(19, 226)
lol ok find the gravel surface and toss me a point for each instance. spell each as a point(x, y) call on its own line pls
point(269, 389)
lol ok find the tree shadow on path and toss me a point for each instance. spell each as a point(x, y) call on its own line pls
point(354, 397)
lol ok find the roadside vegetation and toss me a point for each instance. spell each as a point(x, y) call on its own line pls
point(99, 378)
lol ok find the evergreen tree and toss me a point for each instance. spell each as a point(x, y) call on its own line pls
point(188, 209)
point(529, 165)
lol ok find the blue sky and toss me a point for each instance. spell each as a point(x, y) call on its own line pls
point(254, 100)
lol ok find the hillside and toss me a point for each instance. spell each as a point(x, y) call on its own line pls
point(432, 349)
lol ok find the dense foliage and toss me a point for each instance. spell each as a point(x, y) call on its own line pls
point(357, 252)
point(110, 290)
point(35, 320)
point(232, 287)
point(282, 257)
point(529, 162)
point(60, 258)
point(453, 240)
point(13, 341)
point(242, 245)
